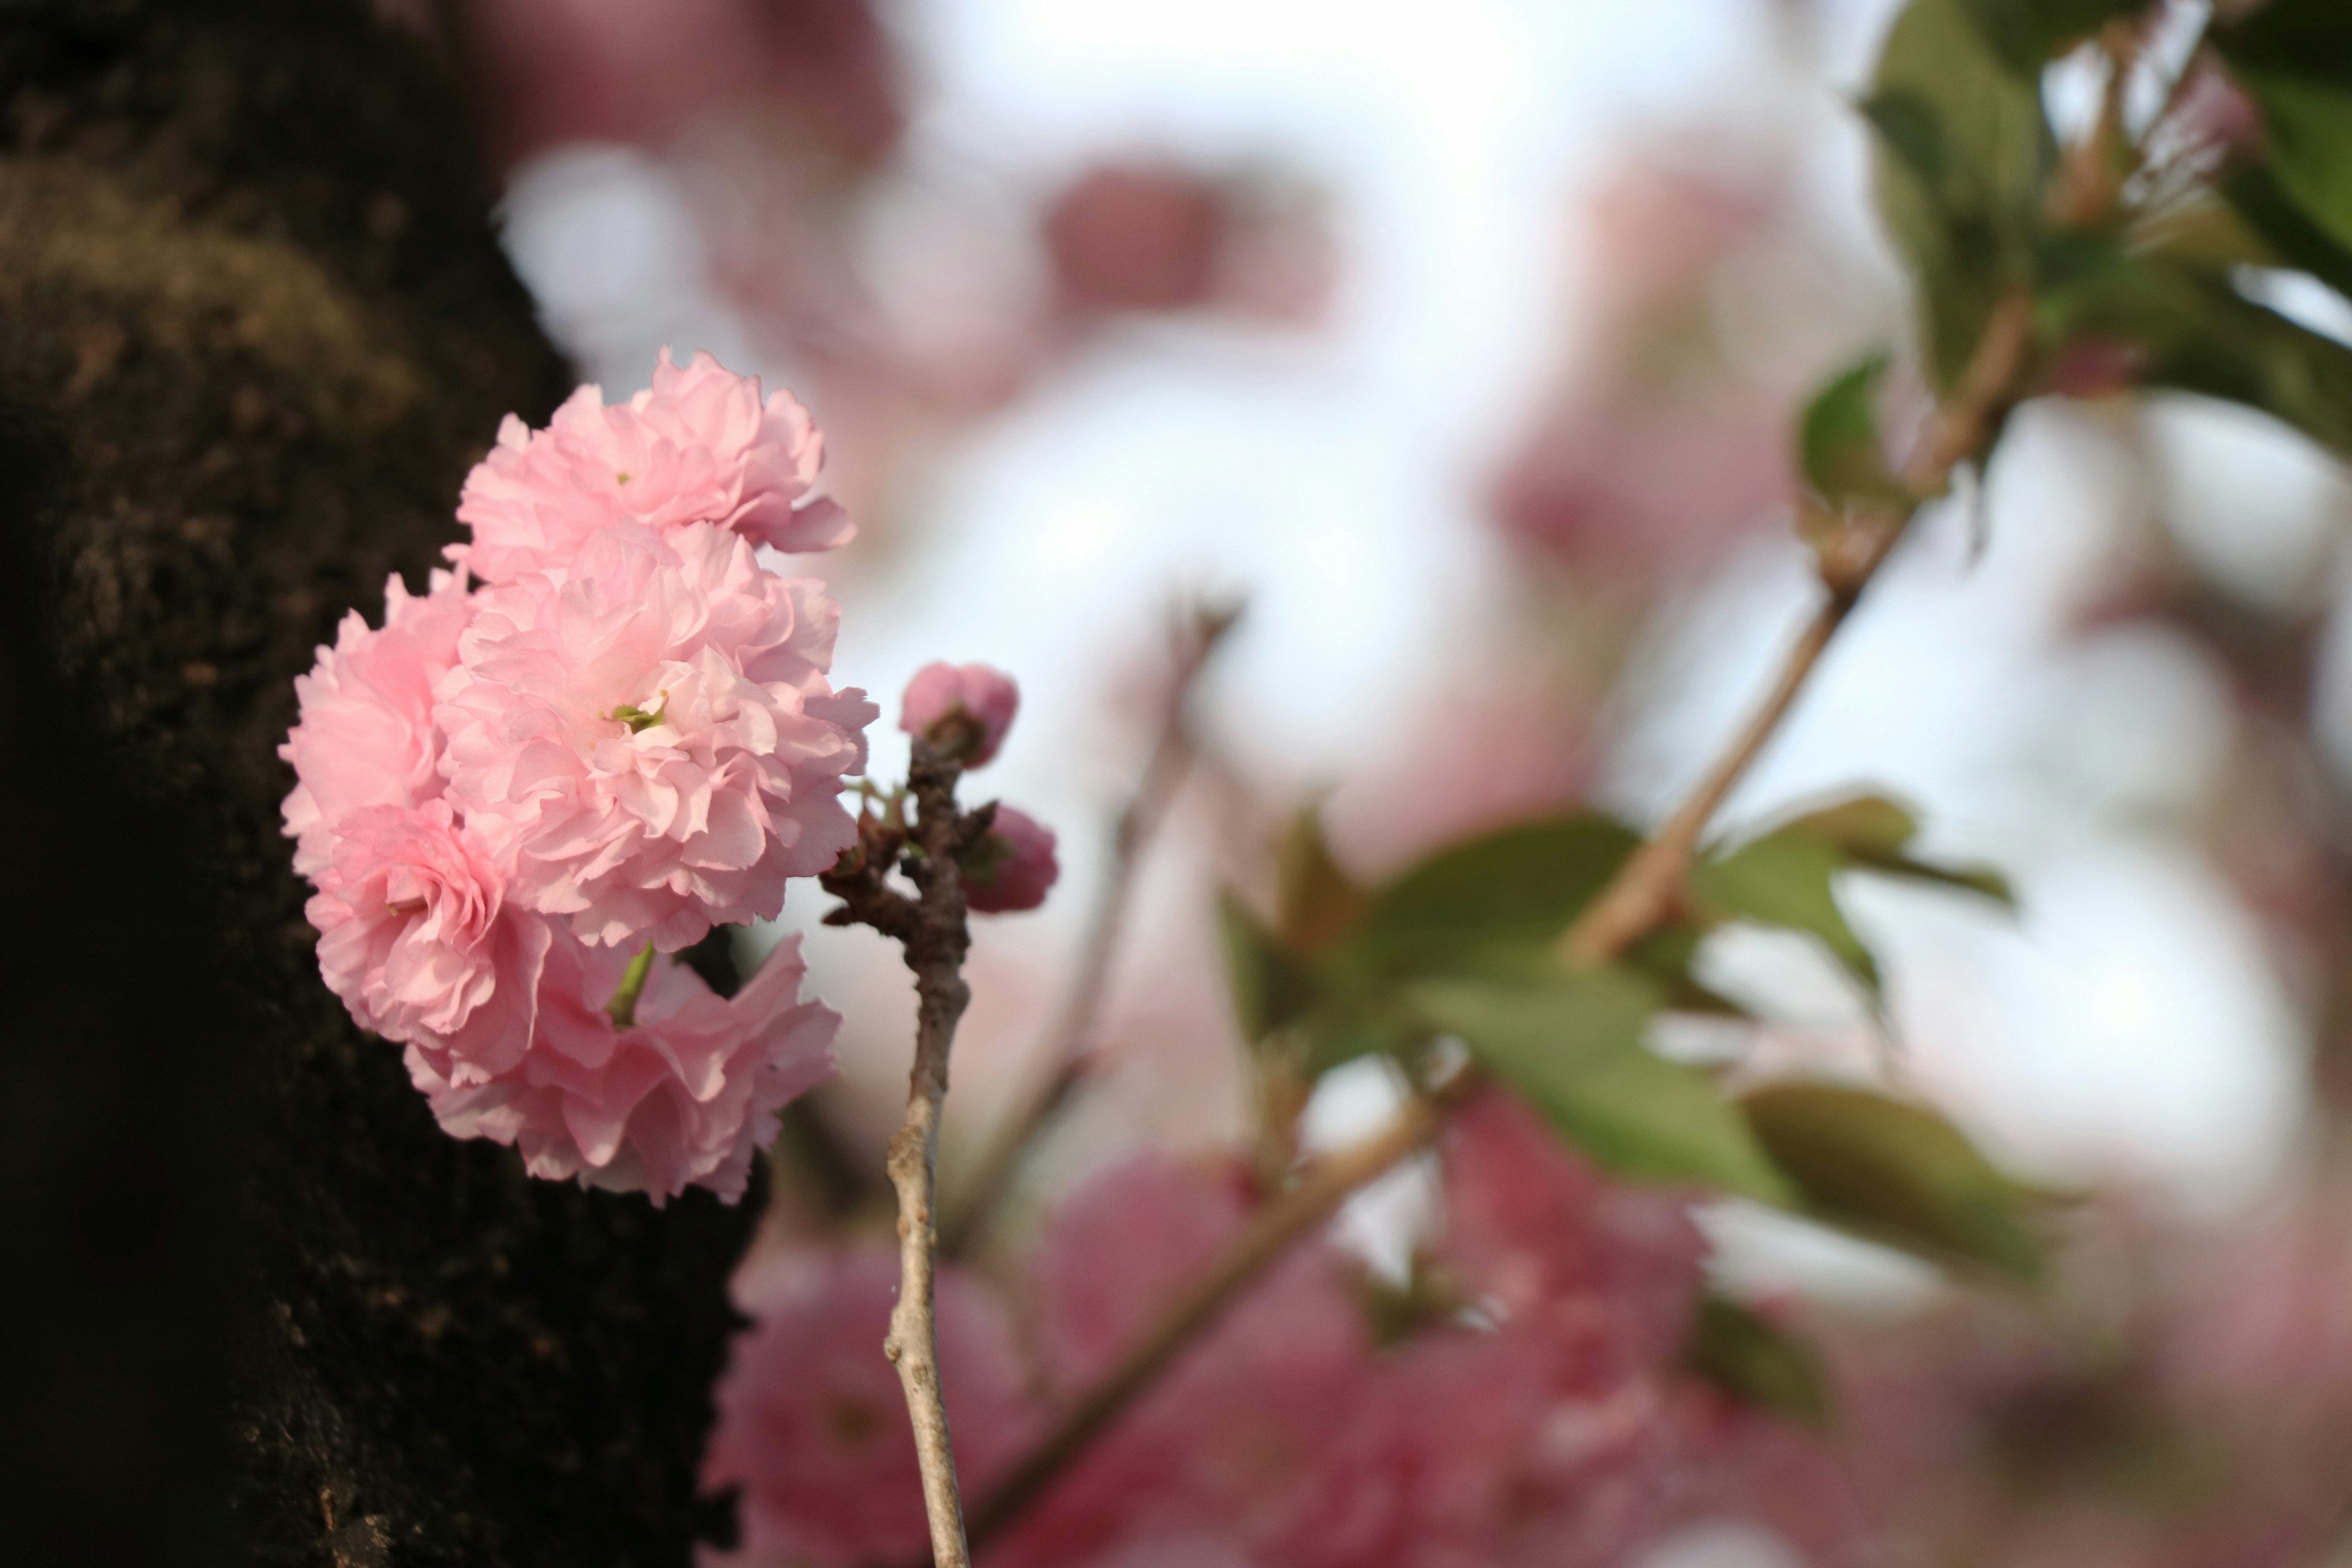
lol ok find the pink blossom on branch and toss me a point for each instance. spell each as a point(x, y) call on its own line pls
point(699, 445)
point(647, 734)
point(964, 709)
point(681, 1095)
point(366, 735)
point(812, 1425)
point(1015, 867)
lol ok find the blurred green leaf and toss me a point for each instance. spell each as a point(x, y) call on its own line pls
point(1343, 1027)
point(1783, 879)
point(1895, 1171)
point(1838, 439)
point(2309, 127)
point(1874, 834)
point(2294, 57)
point(1787, 877)
point(1315, 902)
point(1270, 987)
point(1516, 889)
point(1665, 955)
point(1756, 1362)
point(2029, 34)
point(1964, 151)
point(1571, 1046)
point(2200, 335)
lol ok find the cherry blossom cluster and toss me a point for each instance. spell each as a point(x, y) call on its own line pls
point(607, 731)
point(1533, 1412)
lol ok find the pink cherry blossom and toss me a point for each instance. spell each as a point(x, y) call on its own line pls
point(1216, 1448)
point(812, 1424)
point(680, 1097)
point(366, 735)
point(1591, 1284)
point(1536, 1231)
point(699, 445)
point(964, 709)
point(647, 735)
point(1015, 867)
point(415, 936)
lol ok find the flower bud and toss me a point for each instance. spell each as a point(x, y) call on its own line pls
point(1013, 867)
point(964, 709)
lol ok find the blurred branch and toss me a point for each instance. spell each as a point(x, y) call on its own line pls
point(1645, 888)
point(1641, 896)
point(936, 935)
point(1195, 639)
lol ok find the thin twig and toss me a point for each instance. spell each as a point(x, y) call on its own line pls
point(1640, 895)
point(935, 935)
point(1065, 1053)
point(1302, 1207)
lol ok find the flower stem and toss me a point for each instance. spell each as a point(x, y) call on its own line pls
point(624, 1005)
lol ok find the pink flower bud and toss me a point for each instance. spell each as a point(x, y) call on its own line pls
point(1014, 867)
point(962, 709)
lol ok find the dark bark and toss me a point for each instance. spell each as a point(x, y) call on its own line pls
point(255, 327)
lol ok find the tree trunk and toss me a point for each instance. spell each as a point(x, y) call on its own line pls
point(255, 328)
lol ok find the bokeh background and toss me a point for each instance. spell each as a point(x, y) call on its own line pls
point(1460, 344)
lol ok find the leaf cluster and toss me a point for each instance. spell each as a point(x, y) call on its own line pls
point(1463, 953)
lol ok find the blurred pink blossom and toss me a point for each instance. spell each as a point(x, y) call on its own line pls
point(682, 1096)
point(1136, 236)
point(647, 735)
point(813, 1426)
point(966, 709)
point(1630, 484)
point(1015, 867)
point(1653, 451)
point(1147, 234)
point(618, 70)
point(1213, 1452)
point(698, 446)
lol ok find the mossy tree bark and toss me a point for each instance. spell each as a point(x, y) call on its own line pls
point(255, 327)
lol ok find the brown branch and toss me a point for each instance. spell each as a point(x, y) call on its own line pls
point(1303, 1207)
point(1644, 889)
point(1064, 1054)
point(1637, 899)
point(935, 935)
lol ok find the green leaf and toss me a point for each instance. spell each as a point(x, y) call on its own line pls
point(1964, 151)
point(2294, 57)
point(1666, 955)
point(1838, 438)
point(1874, 834)
point(1516, 889)
point(1315, 902)
point(2200, 335)
point(2029, 34)
point(1270, 987)
point(1572, 1048)
point(1783, 879)
point(2309, 126)
point(1787, 878)
point(1895, 1171)
point(1756, 1362)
